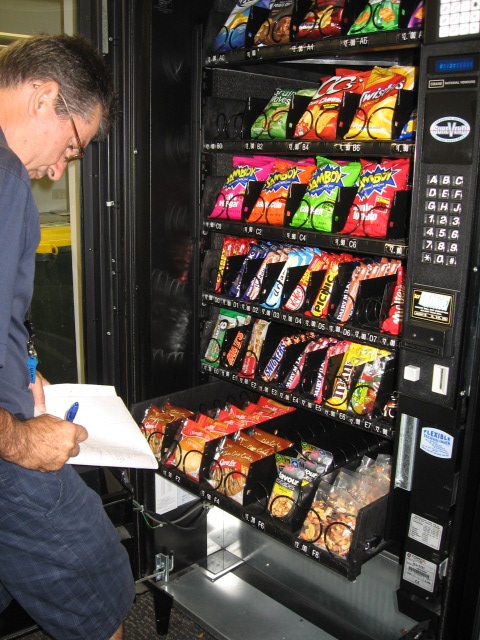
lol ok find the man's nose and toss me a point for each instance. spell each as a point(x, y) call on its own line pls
point(56, 171)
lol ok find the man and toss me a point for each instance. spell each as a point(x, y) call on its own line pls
point(60, 556)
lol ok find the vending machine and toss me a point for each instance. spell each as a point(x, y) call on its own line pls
point(345, 310)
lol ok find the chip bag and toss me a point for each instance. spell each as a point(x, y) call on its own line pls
point(245, 170)
point(323, 20)
point(319, 121)
point(270, 206)
point(374, 117)
point(416, 21)
point(316, 208)
point(276, 28)
point(272, 122)
point(378, 15)
point(232, 34)
point(378, 183)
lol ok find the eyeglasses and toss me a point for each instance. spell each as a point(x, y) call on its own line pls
point(80, 151)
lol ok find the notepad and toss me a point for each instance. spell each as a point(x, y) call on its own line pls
point(114, 438)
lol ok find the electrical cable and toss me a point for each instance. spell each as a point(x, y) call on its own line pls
point(149, 516)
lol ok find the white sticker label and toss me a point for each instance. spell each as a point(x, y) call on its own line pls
point(425, 531)
point(169, 496)
point(419, 571)
point(436, 443)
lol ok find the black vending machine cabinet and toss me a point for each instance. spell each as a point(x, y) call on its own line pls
point(438, 368)
point(410, 567)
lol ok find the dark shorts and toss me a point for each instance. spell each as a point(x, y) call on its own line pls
point(60, 556)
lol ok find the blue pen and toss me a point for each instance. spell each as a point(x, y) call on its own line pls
point(72, 412)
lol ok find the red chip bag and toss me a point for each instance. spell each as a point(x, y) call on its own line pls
point(319, 121)
point(370, 211)
point(393, 323)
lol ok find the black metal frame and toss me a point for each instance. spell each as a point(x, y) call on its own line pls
point(116, 206)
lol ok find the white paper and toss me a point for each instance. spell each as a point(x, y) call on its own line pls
point(114, 438)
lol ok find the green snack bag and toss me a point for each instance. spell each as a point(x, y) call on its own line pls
point(227, 319)
point(378, 15)
point(316, 208)
point(272, 122)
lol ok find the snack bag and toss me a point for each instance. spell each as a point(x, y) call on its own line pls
point(356, 355)
point(286, 491)
point(393, 323)
point(323, 20)
point(187, 449)
point(232, 34)
point(270, 373)
point(331, 520)
point(276, 28)
point(270, 206)
point(410, 128)
point(230, 199)
point(259, 331)
point(230, 468)
point(370, 211)
point(253, 444)
point(316, 208)
point(378, 15)
point(272, 122)
point(155, 421)
point(294, 376)
point(227, 319)
point(297, 257)
point(255, 251)
point(275, 254)
point(230, 247)
point(319, 121)
point(322, 299)
point(416, 21)
point(337, 348)
point(364, 394)
point(297, 298)
point(374, 117)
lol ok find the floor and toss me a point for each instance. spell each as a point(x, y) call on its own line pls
point(140, 624)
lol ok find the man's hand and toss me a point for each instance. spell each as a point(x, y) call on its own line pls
point(43, 443)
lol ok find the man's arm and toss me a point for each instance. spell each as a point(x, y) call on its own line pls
point(44, 443)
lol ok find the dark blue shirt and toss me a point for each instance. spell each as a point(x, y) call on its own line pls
point(19, 238)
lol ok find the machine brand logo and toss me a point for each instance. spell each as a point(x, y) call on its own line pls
point(436, 443)
point(449, 129)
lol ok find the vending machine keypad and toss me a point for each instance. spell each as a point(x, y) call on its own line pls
point(442, 218)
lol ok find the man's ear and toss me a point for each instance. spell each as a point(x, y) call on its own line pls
point(43, 96)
